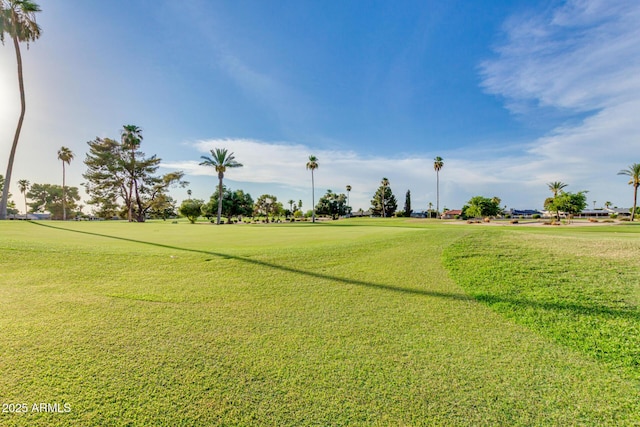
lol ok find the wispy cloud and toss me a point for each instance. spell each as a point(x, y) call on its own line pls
point(583, 57)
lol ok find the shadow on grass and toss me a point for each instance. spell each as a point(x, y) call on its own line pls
point(577, 309)
point(460, 297)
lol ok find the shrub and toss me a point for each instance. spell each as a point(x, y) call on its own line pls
point(535, 216)
point(513, 221)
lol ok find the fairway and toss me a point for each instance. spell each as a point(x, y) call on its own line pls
point(353, 322)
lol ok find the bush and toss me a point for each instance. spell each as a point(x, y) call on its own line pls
point(513, 221)
point(535, 216)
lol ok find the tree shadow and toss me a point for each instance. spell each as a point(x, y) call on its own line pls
point(486, 299)
point(453, 296)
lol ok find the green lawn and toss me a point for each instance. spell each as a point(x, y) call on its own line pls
point(359, 322)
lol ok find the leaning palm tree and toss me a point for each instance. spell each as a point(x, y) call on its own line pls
point(23, 186)
point(634, 173)
point(65, 155)
point(312, 165)
point(18, 21)
point(220, 160)
point(556, 187)
point(385, 184)
point(438, 163)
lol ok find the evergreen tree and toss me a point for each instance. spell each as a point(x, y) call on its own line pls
point(118, 171)
point(407, 204)
point(385, 193)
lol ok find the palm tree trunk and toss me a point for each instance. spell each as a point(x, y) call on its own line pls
point(437, 192)
point(220, 176)
point(313, 199)
point(64, 208)
point(141, 212)
point(635, 202)
point(7, 178)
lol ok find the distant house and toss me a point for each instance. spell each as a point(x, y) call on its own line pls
point(595, 213)
point(31, 216)
point(524, 213)
point(619, 211)
point(452, 214)
point(360, 213)
point(419, 214)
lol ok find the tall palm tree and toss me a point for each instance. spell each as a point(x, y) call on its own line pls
point(385, 184)
point(291, 202)
point(556, 187)
point(348, 193)
point(18, 21)
point(634, 173)
point(23, 186)
point(312, 165)
point(189, 192)
point(131, 136)
point(438, 163)
point(220, 160)
point(65, 155)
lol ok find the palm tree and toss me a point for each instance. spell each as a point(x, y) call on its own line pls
point(291, 202)
point(18, 20)
point(556, 187)
point(634, 173)
point(438, 163)
point(220, 160)
point(189, 194)
point(348, 193)
point(312, 165)
point(66, 156)
point(385, 184)
point(131, 136)
point(23, 186)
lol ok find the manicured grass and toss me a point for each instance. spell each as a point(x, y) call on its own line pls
point(579, 287)
point(340, 323)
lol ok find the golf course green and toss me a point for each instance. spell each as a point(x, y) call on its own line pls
point(359, 322)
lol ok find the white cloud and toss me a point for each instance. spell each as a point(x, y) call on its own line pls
point(583, 57)
point(283, 167)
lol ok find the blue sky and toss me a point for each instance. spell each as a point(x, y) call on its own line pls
point(512, 94)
